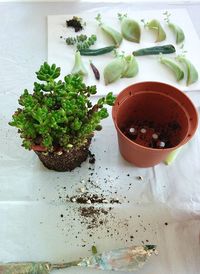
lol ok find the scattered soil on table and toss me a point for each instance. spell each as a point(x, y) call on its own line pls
point(91, 158)
point(93, 217)
point(89, 198)
point(91, 206)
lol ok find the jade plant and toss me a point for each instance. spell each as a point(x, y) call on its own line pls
point(58, 113)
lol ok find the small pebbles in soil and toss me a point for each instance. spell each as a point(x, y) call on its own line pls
point(155, 136)
point(145, 133)
point(88, 198)
point(143, 130)
point(160, 144)
point(132, 132)
point(81, 189)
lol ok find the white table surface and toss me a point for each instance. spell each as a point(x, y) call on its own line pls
point(30, 208)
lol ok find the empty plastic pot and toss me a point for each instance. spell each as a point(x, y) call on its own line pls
point(159, 103)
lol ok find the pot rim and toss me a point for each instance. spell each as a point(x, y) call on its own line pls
point(188, 135)
point(38, 148)
point(41, 148)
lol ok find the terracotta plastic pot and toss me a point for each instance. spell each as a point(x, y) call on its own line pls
point(160, 103)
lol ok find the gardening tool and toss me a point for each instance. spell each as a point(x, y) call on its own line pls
point(123, 259)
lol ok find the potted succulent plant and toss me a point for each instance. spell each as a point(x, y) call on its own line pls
point(58, 119)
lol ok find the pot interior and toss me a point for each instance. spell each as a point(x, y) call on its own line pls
point(154, 109)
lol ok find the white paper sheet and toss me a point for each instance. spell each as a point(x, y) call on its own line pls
point(149, 67)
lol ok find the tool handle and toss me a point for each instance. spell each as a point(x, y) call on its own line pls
point(25, 268)
point(65, 265)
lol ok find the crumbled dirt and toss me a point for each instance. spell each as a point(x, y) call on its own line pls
point(141, 133)
point(65, 161)
point(89, 198)
point(91, 202)
point(91, 158)
point(75, 23)
point(93, 217)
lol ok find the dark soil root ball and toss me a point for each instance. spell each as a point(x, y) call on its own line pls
point(65, 161)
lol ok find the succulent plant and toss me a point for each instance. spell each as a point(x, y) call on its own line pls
point(58, 113)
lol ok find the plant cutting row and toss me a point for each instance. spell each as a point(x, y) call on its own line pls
point(130, 30)
point(126, 66)
point(58, 119)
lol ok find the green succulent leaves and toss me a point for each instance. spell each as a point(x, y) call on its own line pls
point(156, 26)
point(109, 100)
point(131, 67)
point(174, 67)
point(192, 73)
point(180, 36)
point(172, 156)
point(114, 35)
point(165, 49)
point(120, 67)
point(59, 113)
point(130, 29)
point(48, 73)
point(78, 65)
point(114, 70)
point(81, 41)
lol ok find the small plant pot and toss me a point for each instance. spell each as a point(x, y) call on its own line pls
point(159, 104)
point(63, 161)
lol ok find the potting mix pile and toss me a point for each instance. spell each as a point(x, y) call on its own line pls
point(153, 135)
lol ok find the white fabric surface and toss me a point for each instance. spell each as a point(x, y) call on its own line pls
point(31, 227)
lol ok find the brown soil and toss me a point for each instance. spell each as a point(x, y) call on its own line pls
point(89, 198)
point(93, 217)
point(65, 161)
point(168, 133)
point(74, 23)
